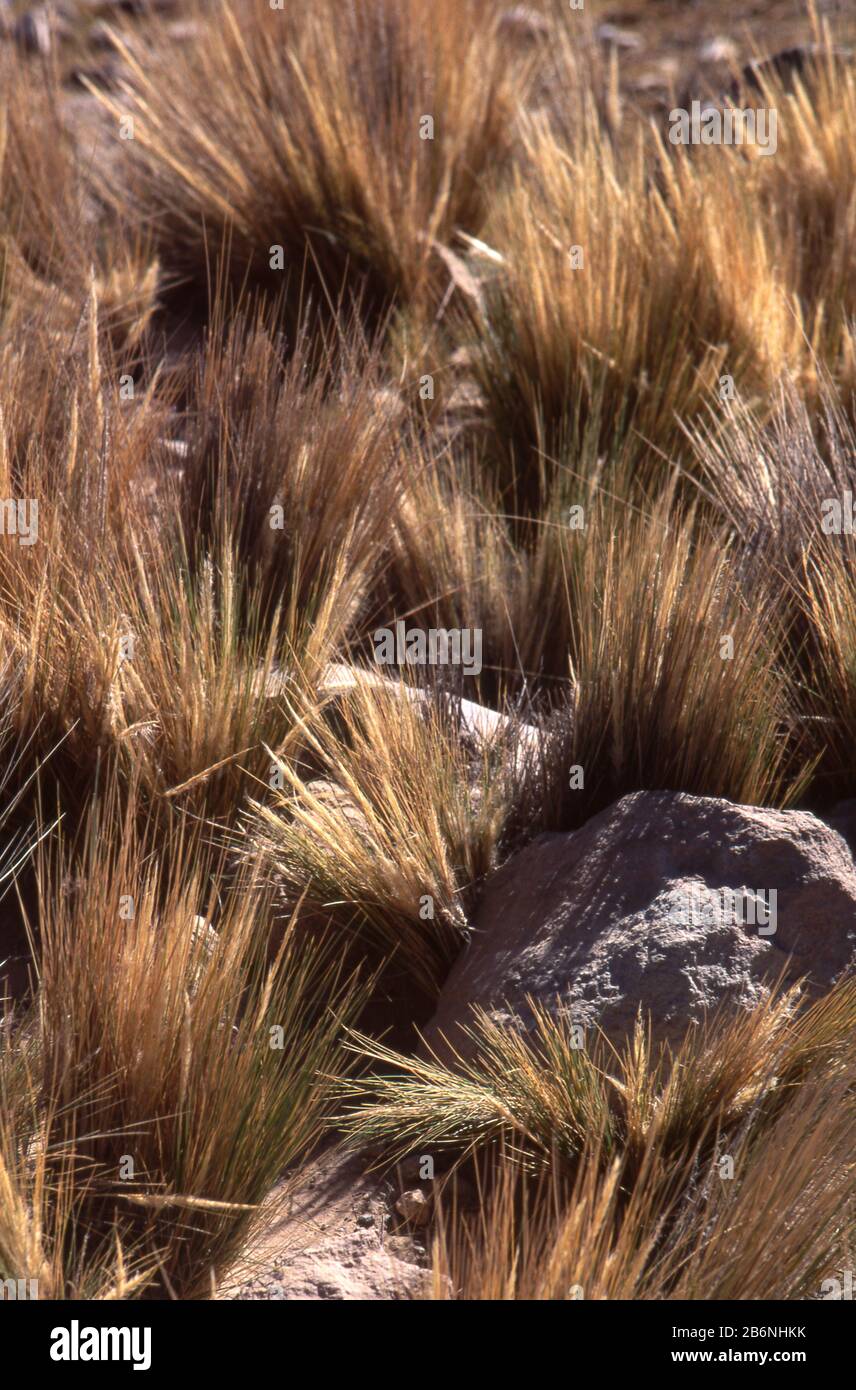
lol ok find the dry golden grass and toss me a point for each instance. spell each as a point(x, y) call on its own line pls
point(597, 1238)
point(404, 846)
point(679, 674)
point(662, 299)
point(787, 491)
point(240, 475)
point(594, 308)
point(297, 460)
point(57, 241)
point(188, 1080)
point(807, 195)
point(166, 591)
point(549, 1093)
point(606, 1176)
point(310, 142)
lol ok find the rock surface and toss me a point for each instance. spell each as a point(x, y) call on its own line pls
point(333, 1237)
point(414, 1206)
point(634, 910)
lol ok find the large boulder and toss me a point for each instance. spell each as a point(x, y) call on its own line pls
point(674, 903)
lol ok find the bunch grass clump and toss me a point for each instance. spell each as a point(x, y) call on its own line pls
point(600, 1238)
point(604, 1176)
point(368, 311)
point(314, 140)
point(398, 825)
point(184, 1085)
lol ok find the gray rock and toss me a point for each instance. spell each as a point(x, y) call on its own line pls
point(664, 901)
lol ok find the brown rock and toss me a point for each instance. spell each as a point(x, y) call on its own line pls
point(658, 902)
point(414, 1207)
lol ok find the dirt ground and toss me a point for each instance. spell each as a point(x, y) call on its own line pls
point(334, 1235)
point(669, 48)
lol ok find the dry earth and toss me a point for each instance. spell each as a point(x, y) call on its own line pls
point(332, 1234)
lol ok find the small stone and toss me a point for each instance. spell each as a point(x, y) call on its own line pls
point(618, 38)
point(718, 50)
point(365, 1221)
point(414, 1207)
